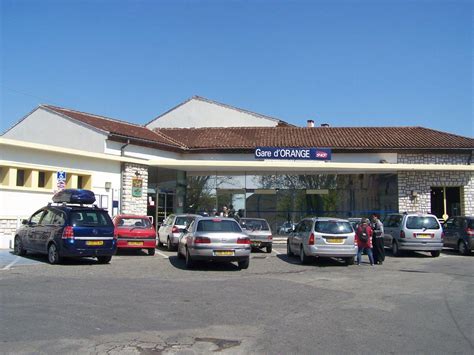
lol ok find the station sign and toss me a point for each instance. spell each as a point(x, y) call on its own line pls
point(292, 153)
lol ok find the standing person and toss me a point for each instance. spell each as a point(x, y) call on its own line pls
point(225, 211)
point(364, 240)
point(377, 240)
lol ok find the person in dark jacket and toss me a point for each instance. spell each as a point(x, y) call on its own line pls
point(377, 240)
point(364, 241)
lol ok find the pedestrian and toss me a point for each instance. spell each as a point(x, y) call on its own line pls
point(377, 240)
point(364, 241)
point(225, 211)
point(214, 212)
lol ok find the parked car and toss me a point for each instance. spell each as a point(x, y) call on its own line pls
point(135, 232)
point(171, 229)
point(323, 237)
point(68, 229)
point(259, 232)
point(459, 234)
point(355, 222)
point(214, 239)
point(413, 231)
point(286, 228)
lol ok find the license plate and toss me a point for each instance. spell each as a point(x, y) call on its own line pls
point(224, 253)
point(95, 242)
point(335, 240)
point(423, 235)
point(135, 243)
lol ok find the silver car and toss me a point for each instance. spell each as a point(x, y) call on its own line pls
point(323, 237)
point(259, 232)
point(171, 229)
point(413, 231)
point(214, 239)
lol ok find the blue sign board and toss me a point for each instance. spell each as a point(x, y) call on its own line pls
point(292, 153)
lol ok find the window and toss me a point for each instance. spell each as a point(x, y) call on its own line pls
point(216, 225)
point(20, 177)
point(48, 217)
point(36, 217)
point(90, 218)
point(416, 222)
point(41, 179)
point(80, 183)
point(333, 227)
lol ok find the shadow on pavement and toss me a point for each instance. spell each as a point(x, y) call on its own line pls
point(204, 266)
point(319, 262)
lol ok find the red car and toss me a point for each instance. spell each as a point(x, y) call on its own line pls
point(135, 232)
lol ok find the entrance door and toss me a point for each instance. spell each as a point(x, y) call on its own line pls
point(164, 206)
point(446, 201)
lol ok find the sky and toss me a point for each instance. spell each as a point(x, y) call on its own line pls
point(341, 62)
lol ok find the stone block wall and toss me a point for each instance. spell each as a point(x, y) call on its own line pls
point(129, 203)
point(8, 227)
point(422, 181)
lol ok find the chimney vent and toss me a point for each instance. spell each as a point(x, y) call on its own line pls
point(310, 123)
point(324, 124)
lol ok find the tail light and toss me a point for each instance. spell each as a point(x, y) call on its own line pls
point(68, 233)
point(270, 237)
point(175, 229)
point(470, 232)
point(311, 239)
point(202, 240)
point(402, 234)
point(243, 241)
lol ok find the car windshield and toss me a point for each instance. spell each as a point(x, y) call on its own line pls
point(333, 227)
point(88, 218)
point(135, 222)
point(218, 225)
point(254, 224)
point(418, 222)
point(183, 221)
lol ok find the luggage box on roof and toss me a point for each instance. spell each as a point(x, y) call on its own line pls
point(74, 196)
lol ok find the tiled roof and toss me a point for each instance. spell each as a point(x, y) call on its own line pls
point(367, 138)
point(115, 127)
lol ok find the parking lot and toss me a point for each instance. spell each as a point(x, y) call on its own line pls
point(153, 304)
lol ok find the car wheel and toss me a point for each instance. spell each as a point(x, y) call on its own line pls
point(269, 248)
point(244, 264)
point(151, 251)
point(189, 261)
point(19, 250)
point(463, 249)
point(395, 249)
point(53, 254)
point(169, 245)
point(288, 249)
point(104, 259)
point(349, 261)
point(435, 253)
point(303, 257)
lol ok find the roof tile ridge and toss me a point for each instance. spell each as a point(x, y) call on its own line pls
point(174, 141)
point(52, 107)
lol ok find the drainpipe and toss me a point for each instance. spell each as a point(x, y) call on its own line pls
point(123, 147)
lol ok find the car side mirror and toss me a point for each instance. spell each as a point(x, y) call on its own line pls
point(24, 221)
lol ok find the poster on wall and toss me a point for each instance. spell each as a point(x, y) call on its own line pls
point(137, 187)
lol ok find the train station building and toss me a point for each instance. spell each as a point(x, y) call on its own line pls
point(202, 155)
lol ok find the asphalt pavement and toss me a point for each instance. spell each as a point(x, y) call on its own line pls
point(142, 304)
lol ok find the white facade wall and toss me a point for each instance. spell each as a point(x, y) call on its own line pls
point(199, 113)
point(44, 127)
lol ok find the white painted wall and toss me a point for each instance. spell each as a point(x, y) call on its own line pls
point(20, 202)
point(45, 127)
point(199, 113)
point(114, 148)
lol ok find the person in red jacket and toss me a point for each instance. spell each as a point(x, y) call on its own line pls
point(364, 241)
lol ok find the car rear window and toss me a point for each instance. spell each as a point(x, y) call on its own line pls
point(254, 224)
point(135, 222)
point(91, 218)
point(333, 227)
point(183, 221)
point(419, 222)
point(216, 225)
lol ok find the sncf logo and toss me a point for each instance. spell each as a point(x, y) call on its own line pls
point(320, 154)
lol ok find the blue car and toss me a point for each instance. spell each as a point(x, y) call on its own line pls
point(69, 227)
